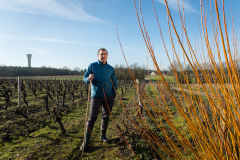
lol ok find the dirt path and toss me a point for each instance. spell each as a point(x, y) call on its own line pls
point(188, 91)
point(201, 93)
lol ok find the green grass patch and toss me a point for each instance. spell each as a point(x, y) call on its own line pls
point(169, 79)
point(46, 140)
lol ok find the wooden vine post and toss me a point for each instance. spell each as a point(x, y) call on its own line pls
point(122, 87)
point(19, 91)
point(28, 84)
point(10, 83)
point(56, 92)
point(88, 102)
point(46, 84)
point(139, 99)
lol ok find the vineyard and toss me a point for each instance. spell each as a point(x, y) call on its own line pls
point(194, 114)
point(47, 120)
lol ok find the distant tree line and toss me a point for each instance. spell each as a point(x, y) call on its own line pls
point(208, 68)
point(122, 71)
point(6, 71)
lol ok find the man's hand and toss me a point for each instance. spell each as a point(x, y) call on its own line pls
point(90, 77)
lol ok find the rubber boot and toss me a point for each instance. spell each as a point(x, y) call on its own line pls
point(87, 137)
point(104, 126)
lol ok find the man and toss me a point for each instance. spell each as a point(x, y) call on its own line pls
point(101, 74)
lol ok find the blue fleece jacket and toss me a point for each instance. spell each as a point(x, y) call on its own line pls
point(102, 79)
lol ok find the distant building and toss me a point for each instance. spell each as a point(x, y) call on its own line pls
point(29, 56)
point(152, 73)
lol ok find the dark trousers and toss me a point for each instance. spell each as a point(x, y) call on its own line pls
point(95, 106)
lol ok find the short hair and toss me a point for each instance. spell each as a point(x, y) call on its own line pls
point(102, 49)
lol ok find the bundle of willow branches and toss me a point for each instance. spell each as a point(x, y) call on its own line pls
point(209, 110)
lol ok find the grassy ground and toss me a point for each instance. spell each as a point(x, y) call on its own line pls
point(171, 111)
point(45, 141)
point(169, 79)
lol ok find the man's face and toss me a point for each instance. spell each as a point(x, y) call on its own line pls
point(102, 56)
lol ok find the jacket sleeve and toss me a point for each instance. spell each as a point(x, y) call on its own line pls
point(89, 71)
point(114, 79)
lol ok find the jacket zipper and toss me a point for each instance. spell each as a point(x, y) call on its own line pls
point(103, 78)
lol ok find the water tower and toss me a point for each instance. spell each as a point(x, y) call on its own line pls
point(29, 56)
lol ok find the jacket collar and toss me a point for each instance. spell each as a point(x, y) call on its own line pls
point(101, 63)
